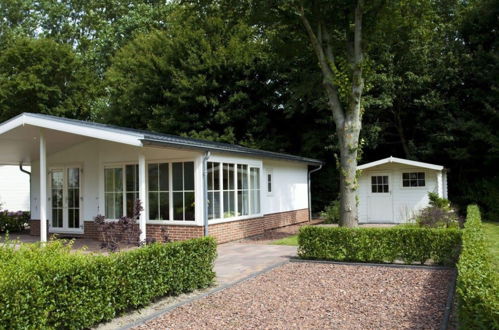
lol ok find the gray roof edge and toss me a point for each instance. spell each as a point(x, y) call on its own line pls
point(229, 148)
point(148, 137)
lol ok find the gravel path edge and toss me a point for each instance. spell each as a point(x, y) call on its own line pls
point(187, 301)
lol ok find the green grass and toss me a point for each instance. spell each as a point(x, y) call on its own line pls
point(291, 240)
point(492, 235)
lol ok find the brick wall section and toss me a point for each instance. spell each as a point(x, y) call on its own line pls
point(223, 232)
point(235, 230)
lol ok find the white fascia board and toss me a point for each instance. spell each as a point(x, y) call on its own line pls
point(108, 135)
point(401, 161)
point(11, 124)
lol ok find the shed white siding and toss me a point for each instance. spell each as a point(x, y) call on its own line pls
point(401, 203)
point(14, 189)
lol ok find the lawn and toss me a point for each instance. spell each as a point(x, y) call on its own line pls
point(290, 240)
point(492, 235)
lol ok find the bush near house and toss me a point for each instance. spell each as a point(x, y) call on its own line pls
point(380, 244)
point(50, 287)
point(13, 222)
point(477, 283)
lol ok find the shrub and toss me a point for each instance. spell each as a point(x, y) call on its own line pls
point(51, 288)
point(438, 201)
point(13, 222)
point(477, 283)
point(331, 213)
point(439, 214)
point(380, 244)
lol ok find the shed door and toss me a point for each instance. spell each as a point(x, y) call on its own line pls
point(380, 201)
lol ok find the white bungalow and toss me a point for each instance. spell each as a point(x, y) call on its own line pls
point(392, 190)
point(189, 187)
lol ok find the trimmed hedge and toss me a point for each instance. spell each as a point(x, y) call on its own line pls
point(477, 282)
point(380, 245)
point(51, 287)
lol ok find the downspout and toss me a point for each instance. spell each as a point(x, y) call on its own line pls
point(205, 191)
point(310, 192)
point(28, 173)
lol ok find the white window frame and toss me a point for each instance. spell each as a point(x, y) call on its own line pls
point(236, 161)
point(123, 174)
point(170, 193)
point(415, 170)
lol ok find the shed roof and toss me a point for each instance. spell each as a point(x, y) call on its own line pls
point(400, 161)
point(138, 137)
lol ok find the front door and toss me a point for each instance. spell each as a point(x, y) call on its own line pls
point(65, 200)
point(380, 204)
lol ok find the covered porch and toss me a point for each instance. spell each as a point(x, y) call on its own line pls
point(81, 171)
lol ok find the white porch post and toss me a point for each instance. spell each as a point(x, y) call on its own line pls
point(440, 186)
point(43, 188)
point(142, 196)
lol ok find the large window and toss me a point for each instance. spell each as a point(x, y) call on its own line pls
point(183, 191)
point(413, 179)
point(233, 190)
point(159, 191)
point(113, 191)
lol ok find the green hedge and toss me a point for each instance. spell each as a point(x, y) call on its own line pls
point(51, 287)
point(380, 244)
point(477, 283)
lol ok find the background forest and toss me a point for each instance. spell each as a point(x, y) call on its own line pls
point(244, 72)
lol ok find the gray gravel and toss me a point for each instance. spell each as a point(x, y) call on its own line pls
point(314, 295)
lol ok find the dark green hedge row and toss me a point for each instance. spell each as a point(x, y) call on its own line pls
point(380, 244)
point(477, 282)
point(51, 287)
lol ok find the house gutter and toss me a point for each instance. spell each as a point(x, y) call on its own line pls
point(205, 191)
point(28, 173)
point(310, 192)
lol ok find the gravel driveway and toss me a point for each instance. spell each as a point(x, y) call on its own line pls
point(315, 295)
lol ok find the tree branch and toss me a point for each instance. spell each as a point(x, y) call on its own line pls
point(327, 72)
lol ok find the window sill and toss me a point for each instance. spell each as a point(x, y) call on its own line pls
point(172, 222)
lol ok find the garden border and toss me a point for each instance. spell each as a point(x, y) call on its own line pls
point(195, 298)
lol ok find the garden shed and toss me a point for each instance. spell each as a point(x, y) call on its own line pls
point(393, 190)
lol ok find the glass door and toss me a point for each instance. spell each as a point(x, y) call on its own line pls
point(65, 197)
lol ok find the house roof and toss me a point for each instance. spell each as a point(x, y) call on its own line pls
point(136, 137)
point(400, 161)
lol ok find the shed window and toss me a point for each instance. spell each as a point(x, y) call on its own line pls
point(413, 179)
point(379, 184)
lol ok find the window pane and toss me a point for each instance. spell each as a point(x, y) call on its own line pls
point(269, 182)
point(385, 179)
point(242, 176)
point(211, 203)
point(73, 178)
point(189, 176)
point(216, 176)
point(110, 205)
point(178, 206)
point(255, 201)
point(229, 209)
point(131, 178)
point(189, 206)
point(153, 206)
point(255, 178)
point(385, 188)
point(421, 175)
point(243, 202)
point(152, 170)
point(164, 206)
point(118, 205)
point(118, 179)
point(163, 177)
point(177, 176)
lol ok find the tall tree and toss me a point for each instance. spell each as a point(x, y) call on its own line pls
point(41, 76)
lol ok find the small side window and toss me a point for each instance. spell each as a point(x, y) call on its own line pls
point(269, 181)
point(413, 179)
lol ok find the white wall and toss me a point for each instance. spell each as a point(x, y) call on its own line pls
point(406, 201)
point(14, 188)
point(289, 186)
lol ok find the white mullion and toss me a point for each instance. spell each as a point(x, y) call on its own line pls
point(222, 193)
point(236, 192)
point(183, 193)
point(170, 186)
point(248, 173)
point(123, 188)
